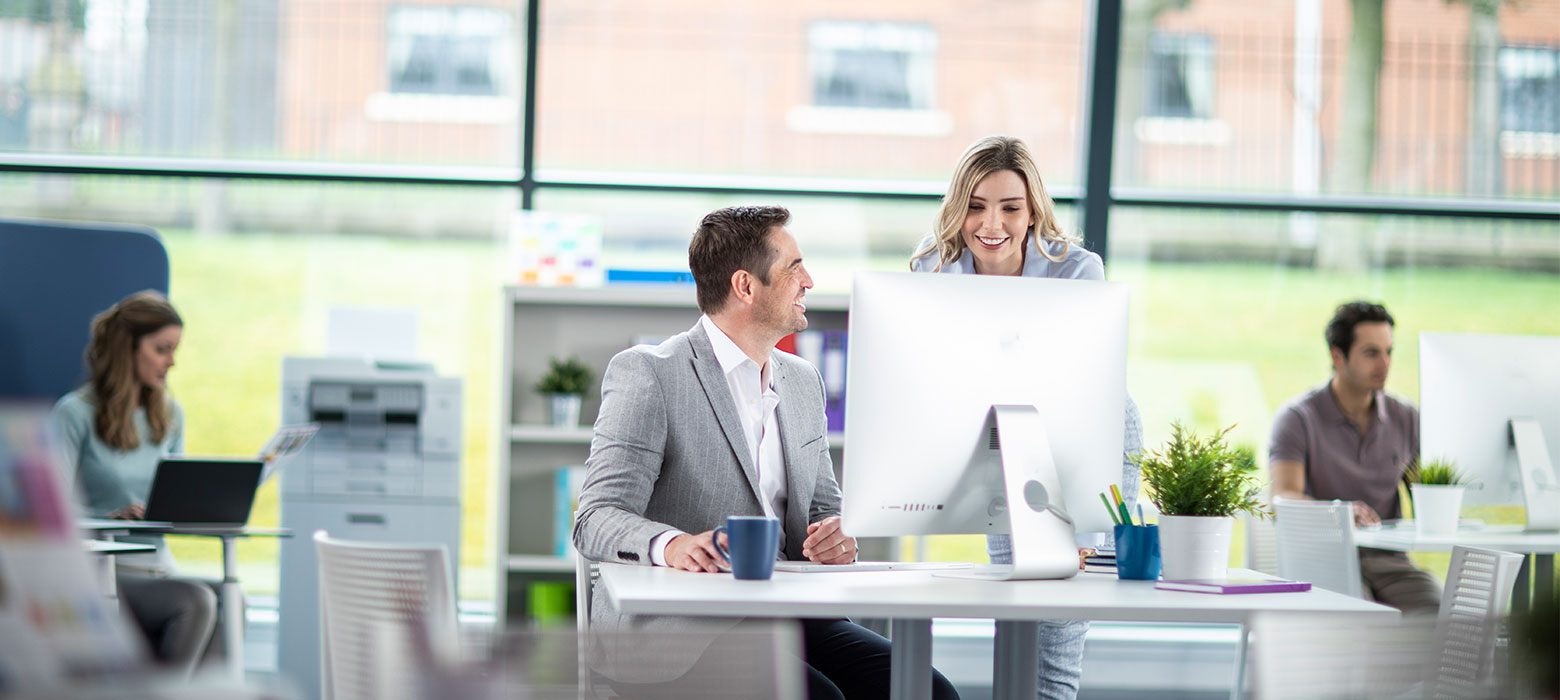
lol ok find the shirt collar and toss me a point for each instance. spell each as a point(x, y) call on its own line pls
point(1378, 403)
point(728, 354)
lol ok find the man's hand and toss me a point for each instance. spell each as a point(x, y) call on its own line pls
point(1365, 516)
point(826, 544)
point(695, 553)
point(134, 511)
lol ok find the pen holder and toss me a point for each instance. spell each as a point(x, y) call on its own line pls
point(1137, 552)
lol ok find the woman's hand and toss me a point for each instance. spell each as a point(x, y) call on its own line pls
point(134, 511)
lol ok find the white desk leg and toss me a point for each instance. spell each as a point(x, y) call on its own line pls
point(232, 609)
point(1238, 690)
point(911, 674)
point(107, 570)
point(1016, 663)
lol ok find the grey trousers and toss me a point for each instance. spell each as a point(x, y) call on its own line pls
point(1391, 579)
point(1061, 641)
point(177, 616)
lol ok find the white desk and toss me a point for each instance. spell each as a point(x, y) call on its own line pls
point(1504, 538)
point(911, 598)
point(232, 593)
point(105, 552)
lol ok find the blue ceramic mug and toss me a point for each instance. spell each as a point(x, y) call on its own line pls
point(753, 541)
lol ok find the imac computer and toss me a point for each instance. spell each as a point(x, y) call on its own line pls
point(1492, 404)
point(979, 404)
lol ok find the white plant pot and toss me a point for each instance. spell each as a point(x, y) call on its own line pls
point(1436, 508)
point(564, 409)
point(1194, 546)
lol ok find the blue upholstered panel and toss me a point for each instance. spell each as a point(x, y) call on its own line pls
point(54, 277)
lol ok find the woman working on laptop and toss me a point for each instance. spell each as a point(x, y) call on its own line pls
point(113, 431)
point(998, 219)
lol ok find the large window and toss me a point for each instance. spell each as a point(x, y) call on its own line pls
point(648, 115)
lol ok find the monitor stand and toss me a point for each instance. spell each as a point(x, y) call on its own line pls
point(1540, 489)
point(1043, 543)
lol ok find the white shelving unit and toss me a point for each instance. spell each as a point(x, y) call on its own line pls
point(592, 324)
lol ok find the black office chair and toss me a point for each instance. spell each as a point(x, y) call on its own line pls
point(54, 277)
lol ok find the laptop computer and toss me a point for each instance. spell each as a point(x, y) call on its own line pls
point(204, 491)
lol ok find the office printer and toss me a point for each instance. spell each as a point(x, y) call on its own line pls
point(385, 466)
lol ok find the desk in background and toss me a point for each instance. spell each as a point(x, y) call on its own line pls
point(912, 598)
point(1539, 548)
point(232, 592)
point(105, 551)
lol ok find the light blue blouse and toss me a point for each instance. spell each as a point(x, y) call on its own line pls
point(107, 479)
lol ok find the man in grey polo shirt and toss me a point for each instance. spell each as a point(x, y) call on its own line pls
point(1348, 440)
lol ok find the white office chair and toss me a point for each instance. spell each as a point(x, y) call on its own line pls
point(1412, 658)
point(1316, 544)
point(1477, 597)
point(386, 610)
point(1261, 544)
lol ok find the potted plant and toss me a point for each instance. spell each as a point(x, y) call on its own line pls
point(1436, 487)
point(565, 384)
point(1199, 484)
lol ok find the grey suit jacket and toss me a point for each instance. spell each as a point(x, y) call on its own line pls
point(669, 452)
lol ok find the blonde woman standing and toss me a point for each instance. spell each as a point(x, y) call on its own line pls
point(112, 432)
point(998, 219)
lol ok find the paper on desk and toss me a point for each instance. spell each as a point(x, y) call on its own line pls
point(373, 332)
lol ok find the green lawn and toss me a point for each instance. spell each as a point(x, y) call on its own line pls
point(1212, 344)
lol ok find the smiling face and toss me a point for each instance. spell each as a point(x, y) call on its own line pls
point(1370, 358)
point(154, 356)
point(780, 304)
point(997, 222)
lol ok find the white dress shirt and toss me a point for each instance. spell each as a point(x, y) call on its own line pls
point(753, 390)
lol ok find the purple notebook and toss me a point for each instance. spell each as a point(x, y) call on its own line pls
point(1235, 585)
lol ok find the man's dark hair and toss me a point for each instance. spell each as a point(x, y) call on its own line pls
point(727, 240)
point(1340, 330)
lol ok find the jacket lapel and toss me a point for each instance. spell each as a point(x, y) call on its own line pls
point(718, 391)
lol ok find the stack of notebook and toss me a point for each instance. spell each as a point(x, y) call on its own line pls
point(1102, 561)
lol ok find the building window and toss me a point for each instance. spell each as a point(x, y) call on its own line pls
point(1180, 76)
point(447, 50)
point(872, 66)
point(1530, 89)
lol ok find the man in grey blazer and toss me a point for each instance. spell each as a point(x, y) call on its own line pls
point(717, 422)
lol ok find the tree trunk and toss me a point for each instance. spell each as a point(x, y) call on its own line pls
point(1483, 172)
point(1342, 245)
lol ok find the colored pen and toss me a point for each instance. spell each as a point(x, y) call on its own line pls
point(1113, 517)
point(1126, 517)
point(1141, 519)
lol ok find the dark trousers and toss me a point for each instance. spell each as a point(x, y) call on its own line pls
point(846, 660)
point(843, 661)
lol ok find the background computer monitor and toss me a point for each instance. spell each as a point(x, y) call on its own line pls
point(1470, 387)
point(928, 355)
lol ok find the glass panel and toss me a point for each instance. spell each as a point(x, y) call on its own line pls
point(360, 82)
point(1228, 309)
point(1222, 95)
point(261, 285)
point(838, 235)
point(888, 91)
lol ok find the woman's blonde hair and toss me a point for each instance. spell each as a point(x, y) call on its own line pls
point(983, 158)
point(116, 335)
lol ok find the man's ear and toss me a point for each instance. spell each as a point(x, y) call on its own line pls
point(1338, 358)
point(742, 283)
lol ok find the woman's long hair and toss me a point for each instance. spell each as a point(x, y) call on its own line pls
point(983, 158)
point(111, 357)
